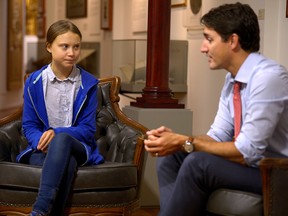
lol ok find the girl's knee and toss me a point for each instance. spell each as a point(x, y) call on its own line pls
point(62, 137)
point(60, 141)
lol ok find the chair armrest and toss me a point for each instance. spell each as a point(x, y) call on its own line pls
point(139, 153)
point(274, 183)
point(11, 139)
point(5, 150)
point(11, 117)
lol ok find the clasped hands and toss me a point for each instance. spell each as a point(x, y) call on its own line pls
point(163, 141)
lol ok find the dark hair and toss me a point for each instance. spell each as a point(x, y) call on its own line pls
point(235, 18)
point(61, 27)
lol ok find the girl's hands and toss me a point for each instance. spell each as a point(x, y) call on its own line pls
point(45, 139)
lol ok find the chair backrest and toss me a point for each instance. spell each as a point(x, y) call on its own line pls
point(116, 134)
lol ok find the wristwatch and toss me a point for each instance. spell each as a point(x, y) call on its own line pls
point(188, 146)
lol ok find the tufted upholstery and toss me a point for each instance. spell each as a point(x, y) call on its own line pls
point(112, 187)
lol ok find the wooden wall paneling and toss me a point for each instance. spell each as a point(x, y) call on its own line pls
point(14, 44)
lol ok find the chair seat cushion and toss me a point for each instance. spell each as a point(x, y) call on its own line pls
point(20, 183)
point(234, 202)
point(99, 177)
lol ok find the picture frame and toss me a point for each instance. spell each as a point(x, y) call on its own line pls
point(106, 14)
point(41, 24)
point(41, 7)
point(286, 8)
point(178, 3)
point(76, 9)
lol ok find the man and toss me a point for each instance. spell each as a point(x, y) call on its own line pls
point(191, 167)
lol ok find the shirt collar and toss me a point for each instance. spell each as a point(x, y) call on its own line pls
point(72, 77)
point(244, 74)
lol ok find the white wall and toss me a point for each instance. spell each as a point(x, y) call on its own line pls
point(276, 31)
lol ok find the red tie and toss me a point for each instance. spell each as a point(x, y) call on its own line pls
point(237, 108)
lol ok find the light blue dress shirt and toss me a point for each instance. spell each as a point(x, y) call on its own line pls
point(264, 95)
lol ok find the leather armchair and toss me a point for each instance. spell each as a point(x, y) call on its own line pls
point(274, 173)
point(111, 188)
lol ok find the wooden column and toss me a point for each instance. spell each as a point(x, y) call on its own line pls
point(157, 93)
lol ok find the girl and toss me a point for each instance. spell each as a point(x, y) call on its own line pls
point(59, 115)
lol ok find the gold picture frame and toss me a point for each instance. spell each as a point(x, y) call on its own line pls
point(178, 3)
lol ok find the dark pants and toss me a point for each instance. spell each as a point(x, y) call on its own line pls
point(58, 172)
point(187, 180)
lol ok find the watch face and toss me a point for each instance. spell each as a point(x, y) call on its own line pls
point(188, 146)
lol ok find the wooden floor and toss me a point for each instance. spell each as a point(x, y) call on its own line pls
point(145, 211)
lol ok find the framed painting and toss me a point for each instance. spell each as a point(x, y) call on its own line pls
point(76, 9)
point(41, 27)
point(106, 14)
point(41, 6)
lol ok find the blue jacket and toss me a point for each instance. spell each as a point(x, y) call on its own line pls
point(83, 128)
